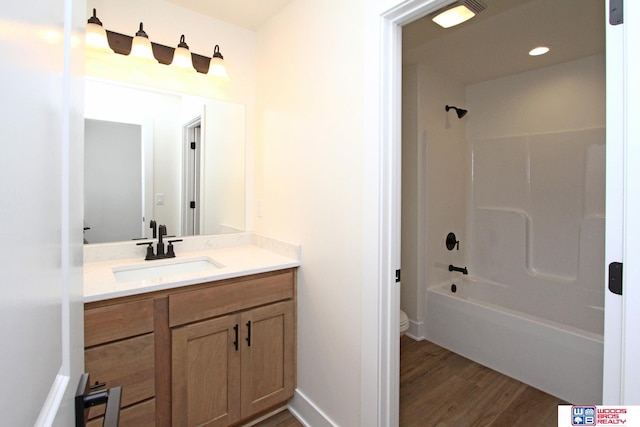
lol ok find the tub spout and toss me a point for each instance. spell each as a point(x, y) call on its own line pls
point(459, 269)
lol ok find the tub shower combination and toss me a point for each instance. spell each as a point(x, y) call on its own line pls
point(531, 305)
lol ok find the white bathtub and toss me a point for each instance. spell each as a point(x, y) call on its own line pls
point(554, 356)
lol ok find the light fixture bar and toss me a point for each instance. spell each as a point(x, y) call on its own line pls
point(121, 44)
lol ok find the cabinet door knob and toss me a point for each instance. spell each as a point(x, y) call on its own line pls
point(249, 333)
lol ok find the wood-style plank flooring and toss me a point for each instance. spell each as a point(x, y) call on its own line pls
point(442, 389)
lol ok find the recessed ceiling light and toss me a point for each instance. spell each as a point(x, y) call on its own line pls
point(540, 50)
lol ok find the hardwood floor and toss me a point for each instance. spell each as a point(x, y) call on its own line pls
point(442, 389)
point(281, 419)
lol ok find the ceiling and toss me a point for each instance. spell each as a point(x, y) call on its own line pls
point(496, 42)
point(249, 14)
point(493, 44)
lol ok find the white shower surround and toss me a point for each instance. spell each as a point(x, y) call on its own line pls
point(536, 241)
point(533, 307)
point(533, 235)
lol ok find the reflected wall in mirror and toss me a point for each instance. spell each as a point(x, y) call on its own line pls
point(140, 165)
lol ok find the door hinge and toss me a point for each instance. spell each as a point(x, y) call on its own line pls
point(615, 12)
point(615, 278)
point(397, 275)
point(192, 205)
point(193, 145)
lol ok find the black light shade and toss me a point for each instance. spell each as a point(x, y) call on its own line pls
point(459, 111)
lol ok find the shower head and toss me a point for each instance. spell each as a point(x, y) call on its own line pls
point(459, 111)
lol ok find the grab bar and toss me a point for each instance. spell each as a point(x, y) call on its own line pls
point(458, 269)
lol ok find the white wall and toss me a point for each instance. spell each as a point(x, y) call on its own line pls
point(41, 212)
point(412, 198)
point(434, 183)
point(224, 177)
point(309, 180)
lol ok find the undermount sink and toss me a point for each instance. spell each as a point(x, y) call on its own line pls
point(164, 268)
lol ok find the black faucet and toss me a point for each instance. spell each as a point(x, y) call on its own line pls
point(159, 254)
point(458, 269)
point(162, 231)
point(152, 225)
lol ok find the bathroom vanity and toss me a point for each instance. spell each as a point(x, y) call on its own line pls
point(215, 347)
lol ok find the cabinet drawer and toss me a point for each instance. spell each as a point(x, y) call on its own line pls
point(191, 306)
point(140, 415)
point(118, 321)
point(129, 363)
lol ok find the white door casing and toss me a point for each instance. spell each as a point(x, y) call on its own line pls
point(621, 373)
point(389, 203)
point(614, 231)
point(191, 176)
point(630, 375)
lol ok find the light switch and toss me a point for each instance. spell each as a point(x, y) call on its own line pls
point(159, 198)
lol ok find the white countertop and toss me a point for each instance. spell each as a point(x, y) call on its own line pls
point(100, 282)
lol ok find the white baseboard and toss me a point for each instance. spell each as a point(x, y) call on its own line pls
point(416, 330)
point(307, 412)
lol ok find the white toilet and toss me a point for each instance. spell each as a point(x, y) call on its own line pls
point(404, 322)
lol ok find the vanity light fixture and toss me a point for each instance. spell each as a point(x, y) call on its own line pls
point(182, 57)
point(540, 50)
point(96, 35)
point(458, 12)
point(141, 46)
point(216, 66)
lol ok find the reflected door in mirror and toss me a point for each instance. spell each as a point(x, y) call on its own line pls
point(113, 181)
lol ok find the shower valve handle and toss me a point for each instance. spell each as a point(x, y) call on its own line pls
point(458, 269)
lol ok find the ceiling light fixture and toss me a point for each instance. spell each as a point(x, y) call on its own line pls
point(96, 35)
point(458, 12)
point(540, 50)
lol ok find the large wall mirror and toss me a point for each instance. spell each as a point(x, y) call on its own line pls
point(173, 158)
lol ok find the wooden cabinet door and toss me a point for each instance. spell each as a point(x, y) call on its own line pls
point(206, 373)
point(268, 356)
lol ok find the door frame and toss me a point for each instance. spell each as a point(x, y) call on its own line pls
point(629, 61)
point(614, 227)
point(388, 396)
point(192, 176)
